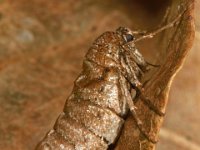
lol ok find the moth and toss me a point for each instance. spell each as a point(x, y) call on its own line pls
point(94, 113)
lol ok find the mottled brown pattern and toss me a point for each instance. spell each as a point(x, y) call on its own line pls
point(42, 45)
point(95, 109)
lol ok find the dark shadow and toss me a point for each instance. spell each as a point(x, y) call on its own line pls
point(153, 6)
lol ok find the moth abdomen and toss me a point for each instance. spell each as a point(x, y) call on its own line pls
point(101, 121)
point(78, 134)
point(55, 141)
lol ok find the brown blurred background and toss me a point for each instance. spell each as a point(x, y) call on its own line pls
point(42, 45)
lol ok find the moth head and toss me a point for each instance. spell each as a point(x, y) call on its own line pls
point(129, 50)
point(126, 34)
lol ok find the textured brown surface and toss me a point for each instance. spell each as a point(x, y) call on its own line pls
point(183, 119)
point(174, 47)
point(41, 50)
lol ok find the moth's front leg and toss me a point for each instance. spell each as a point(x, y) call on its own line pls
point(128, 98)
point(139, 88)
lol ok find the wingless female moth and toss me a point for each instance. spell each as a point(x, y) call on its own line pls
point(101, 98)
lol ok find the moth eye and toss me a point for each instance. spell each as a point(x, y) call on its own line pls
point(129, 37)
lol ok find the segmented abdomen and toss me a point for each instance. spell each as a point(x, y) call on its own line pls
point(93, 114)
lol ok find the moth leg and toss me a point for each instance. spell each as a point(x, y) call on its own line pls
point(148, 102)
point(151, 106)
point(153, 65)
point(139, 89)
point(132, 108)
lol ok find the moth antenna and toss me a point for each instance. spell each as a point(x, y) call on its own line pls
point(169, 25)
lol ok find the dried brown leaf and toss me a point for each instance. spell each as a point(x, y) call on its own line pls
point(175, 43)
